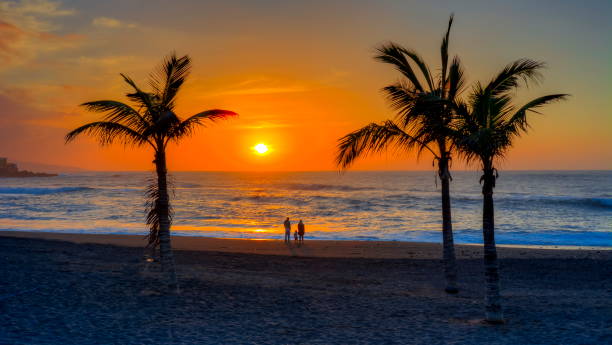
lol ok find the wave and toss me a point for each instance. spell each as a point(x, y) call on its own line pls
point(605, 203)
point(528, 200)
point(316, 186)
point(348, 202)
point(42, 190)
point(188, 186)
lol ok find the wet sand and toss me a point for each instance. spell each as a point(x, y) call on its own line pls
point(320, 248)
point(97, 289)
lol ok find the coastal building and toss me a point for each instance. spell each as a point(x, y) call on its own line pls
point(8, 169)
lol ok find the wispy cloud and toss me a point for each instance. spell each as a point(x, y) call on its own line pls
point(26, 30)
point(265, 125)
point(45, 7)
point(263, 90)
point(33, 15)
point(261, 86)
point(112, 23)
point(113, 62)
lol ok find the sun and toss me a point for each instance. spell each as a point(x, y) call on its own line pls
point(261, 149)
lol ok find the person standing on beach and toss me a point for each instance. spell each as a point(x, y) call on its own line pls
point(301, 230)
point(287, 224)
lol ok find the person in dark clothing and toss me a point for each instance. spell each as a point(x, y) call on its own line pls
point(287, 225)
point(301, 230)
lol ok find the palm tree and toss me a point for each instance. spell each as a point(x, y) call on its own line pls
point(151, 122)
point(489, 124)
point(424, 122)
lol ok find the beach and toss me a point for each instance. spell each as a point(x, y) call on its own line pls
point(98, 289)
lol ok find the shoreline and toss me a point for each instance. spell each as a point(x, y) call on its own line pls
point(322, 248)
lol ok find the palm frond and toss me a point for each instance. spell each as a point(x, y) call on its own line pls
point(109, 132)
point(509, 77)
point(118, 112)
point(401, 96)
point(444, 50)
point(393, 54)
point(415, 108)
point(414, 56)
point(187, 126)
point(143, 99)
point(373, 138)
point(167, 79)
point(518, 121)
point(456, 80)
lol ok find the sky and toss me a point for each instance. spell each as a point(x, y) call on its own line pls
point(301, 74)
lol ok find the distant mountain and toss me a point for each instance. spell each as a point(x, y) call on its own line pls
point(48, 168)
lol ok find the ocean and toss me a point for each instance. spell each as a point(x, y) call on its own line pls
point(558, 208)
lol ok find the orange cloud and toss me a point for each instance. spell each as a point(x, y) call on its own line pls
point(9, 36)
point(112, 23)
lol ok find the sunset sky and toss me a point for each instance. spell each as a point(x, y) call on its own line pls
point(299, 73)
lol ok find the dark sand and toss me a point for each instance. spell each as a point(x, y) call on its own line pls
point(58, 292)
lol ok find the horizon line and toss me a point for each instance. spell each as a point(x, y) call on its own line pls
point(338, 171)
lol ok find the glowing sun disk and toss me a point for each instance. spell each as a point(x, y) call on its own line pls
point(261, 149)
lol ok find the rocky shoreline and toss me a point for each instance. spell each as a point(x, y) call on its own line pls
point(26, 173)
point(8, 169)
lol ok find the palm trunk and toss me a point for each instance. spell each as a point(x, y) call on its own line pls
point(165, 245)
point(493, 309)
point(450, 264)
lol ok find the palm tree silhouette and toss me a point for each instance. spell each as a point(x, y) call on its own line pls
point(489, 123)
point(424, 121)
point(152, 122)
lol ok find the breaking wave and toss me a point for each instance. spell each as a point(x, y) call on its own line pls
point(42, 190)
